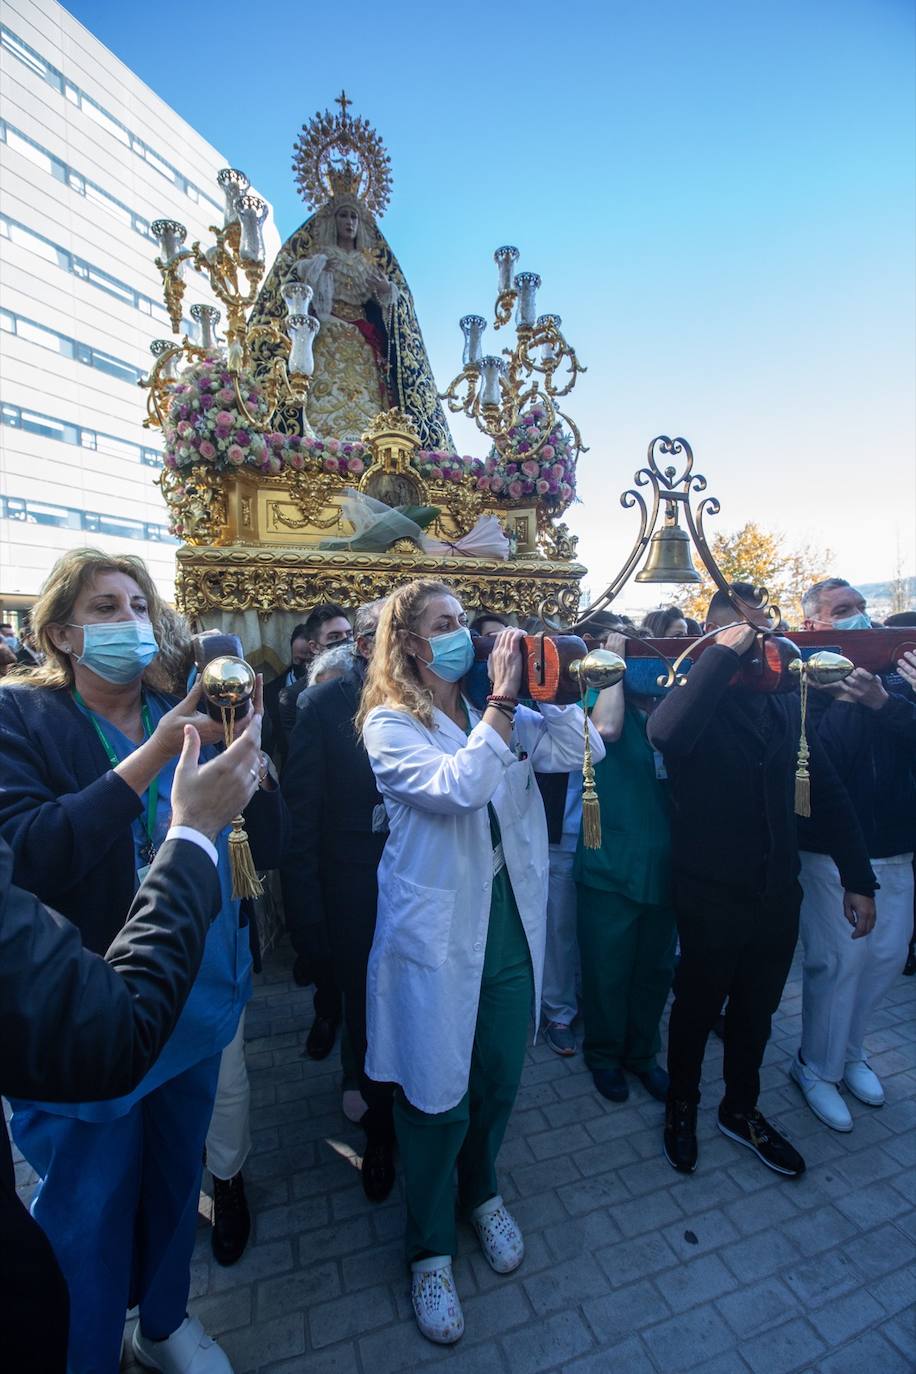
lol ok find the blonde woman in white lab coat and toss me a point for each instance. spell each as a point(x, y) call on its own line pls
point(455, 970)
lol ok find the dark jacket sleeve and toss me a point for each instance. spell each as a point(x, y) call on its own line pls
point(837, 820)
point(77, 1027)
point(267, 825)
point(287, 711)
point(680, 719)
point(66, 835)
point(898, 717)
point(302, 787)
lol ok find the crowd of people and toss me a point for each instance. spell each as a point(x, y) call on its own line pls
point(440, 901)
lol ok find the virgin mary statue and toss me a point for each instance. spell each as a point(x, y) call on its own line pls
point(369, 352)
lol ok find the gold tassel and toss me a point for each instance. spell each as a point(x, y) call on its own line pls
point(591, 807)
point(802, 776)
point(245, 880)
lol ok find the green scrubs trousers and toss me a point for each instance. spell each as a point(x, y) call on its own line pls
point(469, 1135)
point(627, 950)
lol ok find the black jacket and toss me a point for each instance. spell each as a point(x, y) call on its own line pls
point(67, 815)
point(730, 757)
point(288, 704)
point(334, 852)
point(74, 1026)
point(874, 753)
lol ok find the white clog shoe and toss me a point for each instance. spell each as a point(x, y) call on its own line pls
point(189, 1350)
point(821, 1096)
point(435, 1300)
point(500, 1239)
point(862, 1081)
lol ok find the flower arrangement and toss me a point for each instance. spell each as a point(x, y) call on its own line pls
point(547, 473)
point(205, 425)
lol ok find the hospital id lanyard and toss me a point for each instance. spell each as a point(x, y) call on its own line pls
point(152, 794)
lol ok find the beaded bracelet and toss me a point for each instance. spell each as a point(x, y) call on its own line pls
point(503, 711)
point(493, 699)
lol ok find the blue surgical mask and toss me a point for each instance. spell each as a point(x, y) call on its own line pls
point(859, 621)
point(12, 642)
point(453, 654)
point(118, 650)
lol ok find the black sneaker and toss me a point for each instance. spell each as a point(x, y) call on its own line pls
point(754, 1131)
point(231, 1220)
point(378, 1168)
point(681, 1135)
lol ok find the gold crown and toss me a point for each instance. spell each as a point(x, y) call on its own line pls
point(337, 155)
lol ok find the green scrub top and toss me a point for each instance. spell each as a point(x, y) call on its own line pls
point(634, 858)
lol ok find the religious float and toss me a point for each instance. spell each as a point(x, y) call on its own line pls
point(307, 453)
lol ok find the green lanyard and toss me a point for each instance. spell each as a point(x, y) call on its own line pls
point(152, 794)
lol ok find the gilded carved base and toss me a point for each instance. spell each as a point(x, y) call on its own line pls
point(239, 578)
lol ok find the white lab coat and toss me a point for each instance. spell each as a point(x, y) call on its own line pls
point(435, 877)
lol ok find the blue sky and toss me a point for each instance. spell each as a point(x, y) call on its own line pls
point(719, 197)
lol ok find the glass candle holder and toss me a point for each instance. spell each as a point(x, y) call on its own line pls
point(301, 330)
point(206, 317)
point(472, 327)
point(491, 370)
point(526, 284)
point(505, 259)
point(252, 212)
point(170, 235)
point(549, 348)
point(168, 372)
point(297, 296)
point(233, 184)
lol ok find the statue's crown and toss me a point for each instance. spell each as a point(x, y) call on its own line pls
point(337, 155)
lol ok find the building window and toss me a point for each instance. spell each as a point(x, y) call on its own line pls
point(49, 427)
point(71, 518)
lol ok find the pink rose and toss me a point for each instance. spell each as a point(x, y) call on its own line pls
point(333, 445)
point(184, 428)
point(206, 450)
point(236, 455)
point(530, 468)
point(542, 487)
point(276, 440)
point(296, 460)
point(496, 483)
point(547, 452)
point(435, 471)
point(225, 396)
point(331, 465)
point(565, 490)
point(558, 470)
point(225, 420)
point(355, 465)
point(483, 484)
point(516, 488)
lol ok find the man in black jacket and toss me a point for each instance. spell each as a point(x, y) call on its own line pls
point(294, 672)
point(76, 1026)
point(338, 834)
point(730, 757)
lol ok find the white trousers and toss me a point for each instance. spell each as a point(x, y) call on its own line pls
point(845, 979)
point(559, 1001)
point(229, 1136)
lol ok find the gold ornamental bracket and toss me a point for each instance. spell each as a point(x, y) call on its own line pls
point(670, 488)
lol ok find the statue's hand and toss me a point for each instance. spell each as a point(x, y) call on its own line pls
point(310, 269)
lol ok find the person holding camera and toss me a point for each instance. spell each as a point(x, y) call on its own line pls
point(458, 954)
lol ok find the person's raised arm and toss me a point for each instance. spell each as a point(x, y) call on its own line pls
point(681, 717)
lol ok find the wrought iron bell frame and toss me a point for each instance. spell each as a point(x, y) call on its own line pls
point(671, 486)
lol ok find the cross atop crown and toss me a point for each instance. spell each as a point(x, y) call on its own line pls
point(343, 102)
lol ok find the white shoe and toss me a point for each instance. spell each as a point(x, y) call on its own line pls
point(435, 1301)
point(500, 1239)
point(189, 1350)
point(862, 1081)
point(822, 1097)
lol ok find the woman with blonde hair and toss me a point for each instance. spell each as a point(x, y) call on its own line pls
point(456, 963)
point(89, 741)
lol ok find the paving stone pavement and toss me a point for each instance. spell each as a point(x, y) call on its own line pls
point(629, 1268)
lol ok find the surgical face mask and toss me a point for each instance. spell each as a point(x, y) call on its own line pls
point(119, 650)
point(453, 654)
point(12, 642)
point(859, 621)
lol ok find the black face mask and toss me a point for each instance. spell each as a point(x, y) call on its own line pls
point(298, 669)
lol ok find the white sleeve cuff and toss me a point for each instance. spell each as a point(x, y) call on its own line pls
point(497, 743)
point(185, 832)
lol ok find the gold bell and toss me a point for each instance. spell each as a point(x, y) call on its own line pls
point(669, 554)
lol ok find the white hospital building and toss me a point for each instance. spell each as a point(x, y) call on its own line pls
point(89, 157)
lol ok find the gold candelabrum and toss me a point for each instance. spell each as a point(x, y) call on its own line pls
point(495, 391)
point(234, 264)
